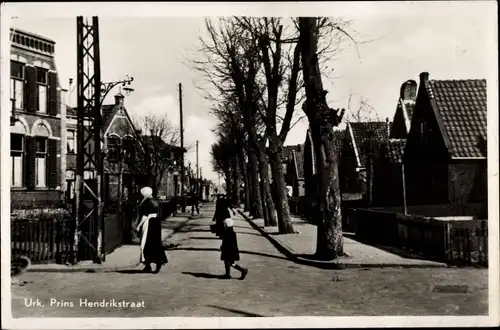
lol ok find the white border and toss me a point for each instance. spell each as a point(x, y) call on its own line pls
point(363, 9)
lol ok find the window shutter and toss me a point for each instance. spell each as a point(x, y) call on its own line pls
point(54, 146)
point(53, 108)
point(31, 91)
point(30, 161)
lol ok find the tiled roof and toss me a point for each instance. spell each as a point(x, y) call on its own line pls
point(392, 149)
point(339, 138)
point(106, 111)
point(462, 108)
point(364, 131)
point(409, 106)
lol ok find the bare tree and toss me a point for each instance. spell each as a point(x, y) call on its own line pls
point(159, 138)
point(322, 120)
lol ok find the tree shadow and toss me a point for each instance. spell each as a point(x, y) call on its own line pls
point(218, 250)
point(131, 271)
point(237, 311)
point(204, 275)
point(205, 238)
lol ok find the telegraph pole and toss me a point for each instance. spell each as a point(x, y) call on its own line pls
point(183, 196)
point(197, 170)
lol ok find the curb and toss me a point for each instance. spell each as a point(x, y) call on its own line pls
point(292, 255)
point(96, 268)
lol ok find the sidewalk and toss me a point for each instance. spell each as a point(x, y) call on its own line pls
point(123, 257)
point(300, 248)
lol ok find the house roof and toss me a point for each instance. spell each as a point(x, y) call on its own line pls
point(461, 107)
point(107, 110)
point(362, 132)
point(392, 150)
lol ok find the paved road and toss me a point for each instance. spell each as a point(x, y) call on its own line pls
point(275, 286)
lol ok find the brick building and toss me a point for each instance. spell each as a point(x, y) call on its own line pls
point(120, 141)
point(36, 99)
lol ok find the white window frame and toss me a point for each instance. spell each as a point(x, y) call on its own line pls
point(71, 146)
point(39, 87)
point(42, 156)
point(17, 83)
point(19, 154)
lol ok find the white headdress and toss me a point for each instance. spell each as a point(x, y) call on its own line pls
point(146, 192)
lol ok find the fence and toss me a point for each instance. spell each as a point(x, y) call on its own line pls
point(467, 243)
point(42, 240)
point(454, 242)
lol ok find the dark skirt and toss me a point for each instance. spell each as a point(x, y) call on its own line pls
point(229, 248)
point(153, 249)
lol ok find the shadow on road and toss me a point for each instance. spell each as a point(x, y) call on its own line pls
point(204, 275)
point(218, 250)
point(237, 311)
point(131, 271)
point(208, 238)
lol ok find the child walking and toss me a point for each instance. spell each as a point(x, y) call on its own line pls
point(229, 248)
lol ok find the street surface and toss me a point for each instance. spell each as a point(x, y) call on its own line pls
point(190, 285)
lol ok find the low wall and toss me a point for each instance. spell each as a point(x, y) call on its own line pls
point(454, 242)
point(438, 210)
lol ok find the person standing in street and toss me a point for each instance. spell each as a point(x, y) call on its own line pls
point(195, 203)
point(149, 227)
point(229, 249)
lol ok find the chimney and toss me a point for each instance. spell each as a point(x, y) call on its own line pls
point(424, 77)
point(409, 91)
point(119, 99)
point(388, 126)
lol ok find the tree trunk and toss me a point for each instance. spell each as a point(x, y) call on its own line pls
point(256, 209)
point(250, 186)
point(266, 190)
point(246, 180)
point(236, 182)
point(282, 207)
point(322, 119)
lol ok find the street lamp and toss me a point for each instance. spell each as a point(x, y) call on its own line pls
point(107, 87)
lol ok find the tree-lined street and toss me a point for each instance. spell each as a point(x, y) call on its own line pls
point(275, 286)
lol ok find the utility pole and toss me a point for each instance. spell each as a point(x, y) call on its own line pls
point(197, 170)
point(183, 194)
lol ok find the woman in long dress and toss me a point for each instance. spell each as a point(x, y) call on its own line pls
point(229, 249)
point(152, 250)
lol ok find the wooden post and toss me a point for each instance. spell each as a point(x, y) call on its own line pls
point(183, 196)
point(405, 209)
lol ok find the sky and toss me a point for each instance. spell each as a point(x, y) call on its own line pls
point(450, 40)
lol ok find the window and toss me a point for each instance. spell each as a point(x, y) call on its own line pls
point(41, 162)
point(114, 145)
point(128, 147)
point(41, 79)
point(71, 141)
point(16, 156)
point(17, 84)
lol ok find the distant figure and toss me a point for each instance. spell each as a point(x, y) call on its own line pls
point(195, 203)
point(149, 227)
point(229, 248)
